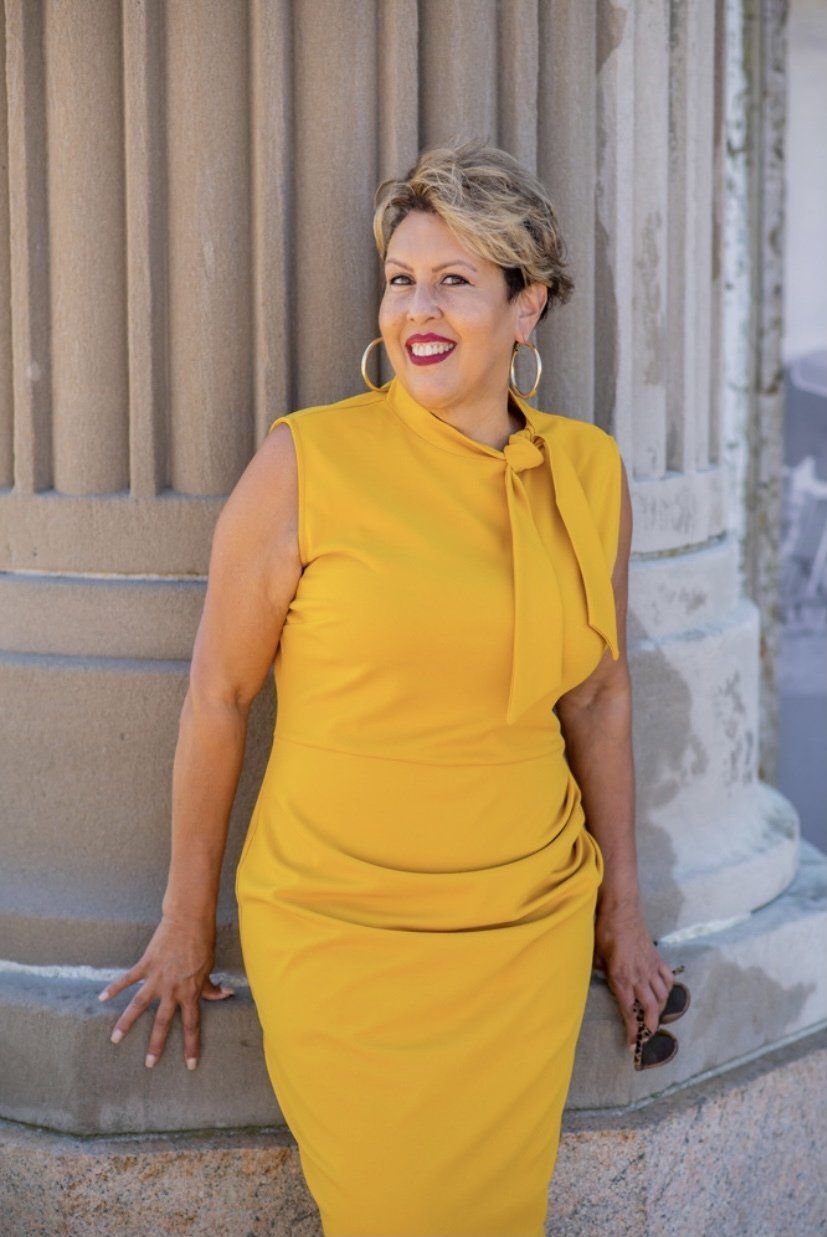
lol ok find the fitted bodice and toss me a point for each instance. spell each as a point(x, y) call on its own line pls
point(418, 541)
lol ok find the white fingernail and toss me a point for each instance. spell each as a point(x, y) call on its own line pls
point(192, 1062)
point(150, 1060)
point(116, 1036)
point(103, 996)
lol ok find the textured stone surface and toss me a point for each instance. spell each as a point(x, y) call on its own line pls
point(228, 1184)
point(740, 1153)
point(744, 1152)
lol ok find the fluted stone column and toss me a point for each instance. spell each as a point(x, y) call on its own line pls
point(186, 252)
point(690, 102)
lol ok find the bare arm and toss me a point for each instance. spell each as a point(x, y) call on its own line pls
point(596, 720)
point(253, 575)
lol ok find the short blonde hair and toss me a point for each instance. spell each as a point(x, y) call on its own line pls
point(492, 203)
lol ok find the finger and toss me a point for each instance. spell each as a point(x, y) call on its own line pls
point(658, 986)
point(160, 1030)
point(655, 996)
point(191, 1022)
point(134, 1009)
point(651, 1008)
point(215, 992)
point(624, 994)
point(660, 991)
point(631, 1026)
point(123, 981)
point(667, 975)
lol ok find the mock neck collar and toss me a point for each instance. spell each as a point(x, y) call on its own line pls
point(432, 427)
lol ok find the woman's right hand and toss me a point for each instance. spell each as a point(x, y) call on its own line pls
point(175, 969)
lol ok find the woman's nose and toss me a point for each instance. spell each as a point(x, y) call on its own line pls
point(422, 301)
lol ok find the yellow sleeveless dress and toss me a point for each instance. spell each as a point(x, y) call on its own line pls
point(417, 886)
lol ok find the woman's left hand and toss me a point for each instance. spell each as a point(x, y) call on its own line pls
point(625, 953)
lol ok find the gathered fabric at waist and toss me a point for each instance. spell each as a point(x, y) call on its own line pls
point(394, 843)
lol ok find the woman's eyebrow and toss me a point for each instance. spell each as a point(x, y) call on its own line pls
point(440, 267)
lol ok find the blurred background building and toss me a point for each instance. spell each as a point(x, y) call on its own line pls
point(802, 664)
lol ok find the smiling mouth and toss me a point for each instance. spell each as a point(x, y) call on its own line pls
point(428, 354)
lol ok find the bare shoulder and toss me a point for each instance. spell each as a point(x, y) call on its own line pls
point(255, 568)
point(261, 512)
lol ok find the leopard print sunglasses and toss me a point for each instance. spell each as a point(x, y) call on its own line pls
point(656, 1048)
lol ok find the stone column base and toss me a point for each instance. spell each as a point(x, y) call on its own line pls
point(742, 1152)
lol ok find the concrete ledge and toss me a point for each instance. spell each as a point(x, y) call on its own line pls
point(744, 1152)
point(754, 984)
point(61, 1072)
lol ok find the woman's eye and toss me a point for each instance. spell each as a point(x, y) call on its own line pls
point(449, 276)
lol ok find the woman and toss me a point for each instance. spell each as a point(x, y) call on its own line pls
point(440, 572)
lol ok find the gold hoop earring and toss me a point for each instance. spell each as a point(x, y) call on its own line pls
point(365, 354)
point(515, 390)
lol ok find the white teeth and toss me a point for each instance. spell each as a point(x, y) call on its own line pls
point(430, 349)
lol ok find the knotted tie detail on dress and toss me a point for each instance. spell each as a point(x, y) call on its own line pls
point(537, 656)
point(537, 652)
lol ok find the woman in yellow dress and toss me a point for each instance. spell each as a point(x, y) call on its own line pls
point(439, 571)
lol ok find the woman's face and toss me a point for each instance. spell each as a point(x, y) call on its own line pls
point(435, 286)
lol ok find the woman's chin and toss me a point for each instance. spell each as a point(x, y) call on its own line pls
point(432, 392)
point(432, 377)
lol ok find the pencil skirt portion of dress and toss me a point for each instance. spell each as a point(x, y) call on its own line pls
point(417, 887)
point(419, 954)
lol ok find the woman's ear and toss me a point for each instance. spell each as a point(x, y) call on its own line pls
point(532, 301)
